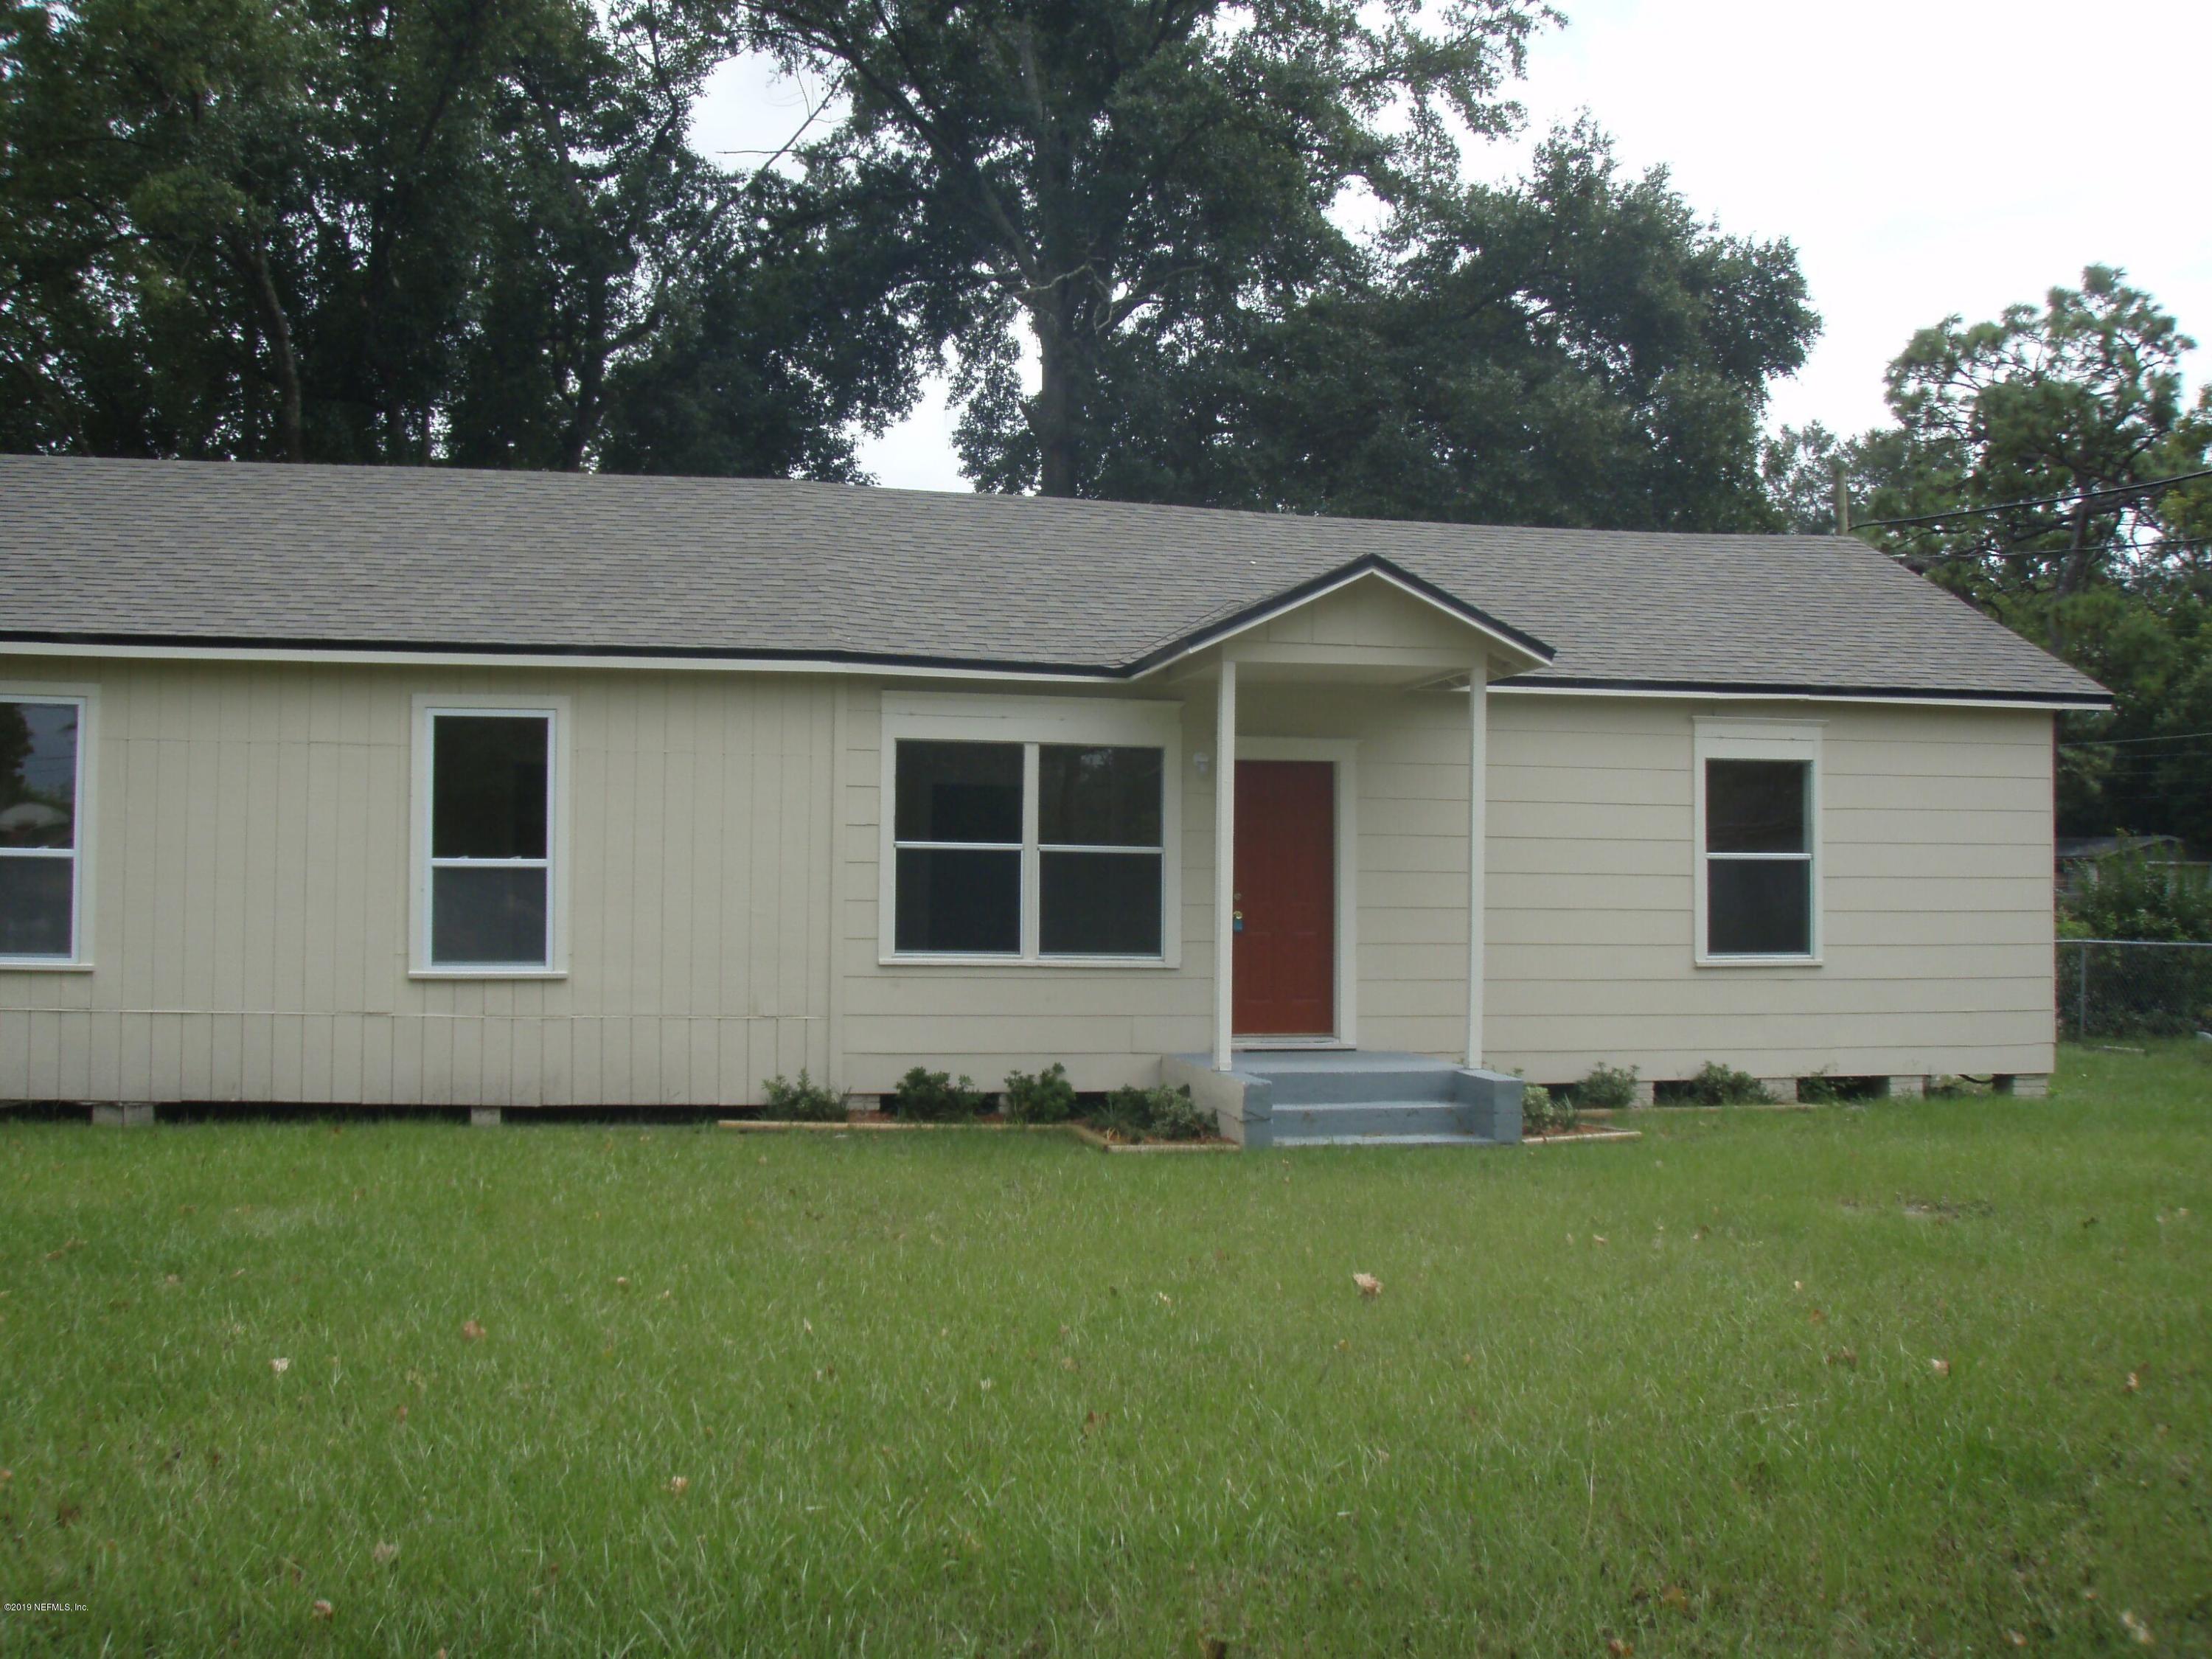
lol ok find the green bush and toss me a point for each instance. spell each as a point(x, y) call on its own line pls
point(1160, 1114)
point(1045, 1097)
point(1607, 1088)
point(2130, 897)
point(1544, 1110)
point(803, 1101)
point(933, 1097)
point(1721, 1086)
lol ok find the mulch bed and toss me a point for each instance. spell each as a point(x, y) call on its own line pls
point(1082, 1132)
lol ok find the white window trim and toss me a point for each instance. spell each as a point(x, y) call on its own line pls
point(554, 710)
point(1342, 755)
point(87, 700)
point(1722, 738)
point(1030, 721)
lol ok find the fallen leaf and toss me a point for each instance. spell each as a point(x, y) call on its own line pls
point(1067, 1363)
point(2137, 1628)
point(1600, 1238)
point(1369, 1285)
point(679, 1485)
point(1819, 1317)
point(6, 1475)
point(2133, 1383)
point(471, 1331)
point(621, 1282)
point(1676, 1597)
point(323, 1610)
point(1618, 1648)
point(1942, 1367)
point(280, 1366)
point(2016, 1638)
point(400, 1414)
point(1797, 1284)
point(383, 1552)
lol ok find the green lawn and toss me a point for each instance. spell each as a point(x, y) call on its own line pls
point(976, 1392)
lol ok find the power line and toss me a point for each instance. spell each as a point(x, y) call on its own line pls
point(2115, 490)
point(2114, 743)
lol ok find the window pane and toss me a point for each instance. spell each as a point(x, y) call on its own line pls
point(1760, 907)
point(1098, 797)
point(488, 787)
point(38, 773)
point(1756, 807)
point(1100, 904)
point(489, 918)
point(959, 792)
point(959, 900)
point(34, 907)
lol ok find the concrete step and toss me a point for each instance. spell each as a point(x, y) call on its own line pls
point(1371, 1119)
point(1340, 1077)
point(1383, 1141)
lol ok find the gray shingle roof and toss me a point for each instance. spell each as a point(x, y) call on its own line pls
point(384, 558)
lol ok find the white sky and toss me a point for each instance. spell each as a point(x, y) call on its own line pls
point(1925, 156)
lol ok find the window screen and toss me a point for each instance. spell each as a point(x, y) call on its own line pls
point(1758, 858)
point(39, 774)
point(957, 829)
point(490, 842)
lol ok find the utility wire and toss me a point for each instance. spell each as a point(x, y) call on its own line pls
point(2115, 490)
point(2114, 743)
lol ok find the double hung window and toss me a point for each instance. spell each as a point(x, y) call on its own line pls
point(1758, 817)
point(42, 761)
point(489, 889)
point(1027, 839)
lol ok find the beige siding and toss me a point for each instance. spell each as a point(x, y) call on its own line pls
point(1936, 828)
point(251, 886)
point(251, 881)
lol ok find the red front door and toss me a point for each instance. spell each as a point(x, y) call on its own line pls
point(1286, 950)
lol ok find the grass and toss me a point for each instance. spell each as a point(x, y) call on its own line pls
point(997, 1393)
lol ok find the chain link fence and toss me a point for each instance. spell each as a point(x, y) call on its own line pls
point(2133, 987)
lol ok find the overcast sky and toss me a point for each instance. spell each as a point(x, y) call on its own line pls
point(1925, 156)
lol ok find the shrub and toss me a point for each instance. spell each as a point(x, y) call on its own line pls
point(1720, 1086)
point(1607, 1088)
point(2130, 897)
point(803, 1101)
point(933, 1097)
point(1543, 1110)
point(1045, 1097)
point(1161, 1114)
point(1821, 1089)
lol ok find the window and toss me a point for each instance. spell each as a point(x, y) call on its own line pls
point(488, 831)
point(1757, 814)
point(41, 786)
point(1031, 830)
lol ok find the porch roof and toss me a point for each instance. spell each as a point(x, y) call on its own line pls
point(389, 559)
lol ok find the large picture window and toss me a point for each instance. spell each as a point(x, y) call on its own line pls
point(1758, 801)
point(42, 783)
point(489, 897)
point(1018, 846)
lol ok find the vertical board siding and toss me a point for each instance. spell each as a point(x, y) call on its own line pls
point(252, 889)
point(1937, 896)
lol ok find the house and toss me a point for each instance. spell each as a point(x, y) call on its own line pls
point(441, 787)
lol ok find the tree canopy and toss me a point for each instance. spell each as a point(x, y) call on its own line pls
point(470, 230)
point(2025, 460)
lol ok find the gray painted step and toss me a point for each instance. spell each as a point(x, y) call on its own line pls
point(1383, 1140)
point(1371, 1119)
point(1337, 1078)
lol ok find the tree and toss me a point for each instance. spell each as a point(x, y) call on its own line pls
point(2024, 462)
point(398, 231)
point(1094, 168)
point(1577, 350)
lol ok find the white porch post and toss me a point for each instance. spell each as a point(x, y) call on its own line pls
point(1477, 794)
point(1225, 860)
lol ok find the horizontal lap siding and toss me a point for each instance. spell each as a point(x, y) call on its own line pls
point(1936, 896)
point(250, 892)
